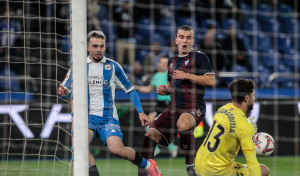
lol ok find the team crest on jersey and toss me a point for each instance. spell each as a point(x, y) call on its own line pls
point(171, 65)
point(186, 62)
point(107, 67)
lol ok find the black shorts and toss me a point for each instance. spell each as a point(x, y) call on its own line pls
point(165, 123)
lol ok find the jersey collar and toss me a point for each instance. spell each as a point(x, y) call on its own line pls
point(90, 61)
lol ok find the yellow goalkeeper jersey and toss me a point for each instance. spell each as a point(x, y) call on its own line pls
point(229, 132)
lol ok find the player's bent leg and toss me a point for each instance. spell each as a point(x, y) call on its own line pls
point(265, 171)
point(93, 171)
point(151, 138)
point(185, 126)
point(116, 147)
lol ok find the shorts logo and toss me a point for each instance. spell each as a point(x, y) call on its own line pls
point(198, 112)
point(107, 67)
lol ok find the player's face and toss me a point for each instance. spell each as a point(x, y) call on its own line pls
point(96, 48)
point(185, 41)
point(251, 100)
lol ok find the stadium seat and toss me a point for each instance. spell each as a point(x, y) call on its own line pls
point(288, 25)
point(239, 68)
point(250, 28)
point(270, 59)
point(230, 22)
point(146, 27)
point(284, 11)
point(264, 42)
point(103, 13)
point(205, 24)
point(167, 27)
point(247, 10)
point(264, 12)
point(141, 55)
point(160, 38)
point(292, 60)
point(251, 25)
point(271, 26)
point(264, 73)
point(284, 43)
point(141, 40)
point(184, 21)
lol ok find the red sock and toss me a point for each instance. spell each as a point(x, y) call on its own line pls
point(187, 143)
point(147, 151)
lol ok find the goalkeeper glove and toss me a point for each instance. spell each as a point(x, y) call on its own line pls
point(251, 120)
point(199, 130)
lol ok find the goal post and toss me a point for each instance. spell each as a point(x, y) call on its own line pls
point(80, 120)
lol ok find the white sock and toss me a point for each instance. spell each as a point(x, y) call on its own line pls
point(148, 165)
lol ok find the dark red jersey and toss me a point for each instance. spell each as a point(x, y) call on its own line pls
point(187, 94)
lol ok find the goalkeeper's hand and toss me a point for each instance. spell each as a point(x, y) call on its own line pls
point(251, 120)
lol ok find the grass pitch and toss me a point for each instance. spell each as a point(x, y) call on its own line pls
point(287, 166)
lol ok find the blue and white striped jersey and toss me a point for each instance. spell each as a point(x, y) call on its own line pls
point(103, 77)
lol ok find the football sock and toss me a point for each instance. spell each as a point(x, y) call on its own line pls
point(187, 143)
point(93, 171)
point(140, 161)
point(147, 152)
point(148, 148)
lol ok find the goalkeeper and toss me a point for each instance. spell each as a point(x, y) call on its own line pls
point(103, 122)
point(230, 131)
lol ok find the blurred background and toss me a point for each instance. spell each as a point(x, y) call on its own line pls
point(256, 39)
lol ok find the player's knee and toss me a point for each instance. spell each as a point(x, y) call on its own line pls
point(185, 122)
point(184, 126)
point(265, 171)
point(115, 150)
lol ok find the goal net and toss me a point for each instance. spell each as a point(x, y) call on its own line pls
point(35, 125)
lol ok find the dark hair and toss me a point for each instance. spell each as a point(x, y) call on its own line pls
point(96, 34)
point(239, 88)
point(185, 28)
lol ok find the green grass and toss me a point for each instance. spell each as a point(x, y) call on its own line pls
point(279, 166)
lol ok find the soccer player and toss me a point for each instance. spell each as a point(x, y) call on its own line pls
point(229, 132)
point(103, 122)
point(159, 78)
point(189, 73)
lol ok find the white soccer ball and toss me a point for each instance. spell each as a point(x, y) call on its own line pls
point(264, 144)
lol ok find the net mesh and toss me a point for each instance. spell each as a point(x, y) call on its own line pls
point(35, 55)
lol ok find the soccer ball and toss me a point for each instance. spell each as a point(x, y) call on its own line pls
point(264, 144)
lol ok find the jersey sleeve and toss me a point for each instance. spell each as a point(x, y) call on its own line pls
point(203, 64)
point(67, 82)
point(122, 80)
point(252, 163)
point(248, 148)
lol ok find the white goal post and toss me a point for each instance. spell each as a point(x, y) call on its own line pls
point(80, 122)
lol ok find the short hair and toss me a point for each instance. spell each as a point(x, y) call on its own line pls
point(185, 28)
point(96, 34)
point(239, 88)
